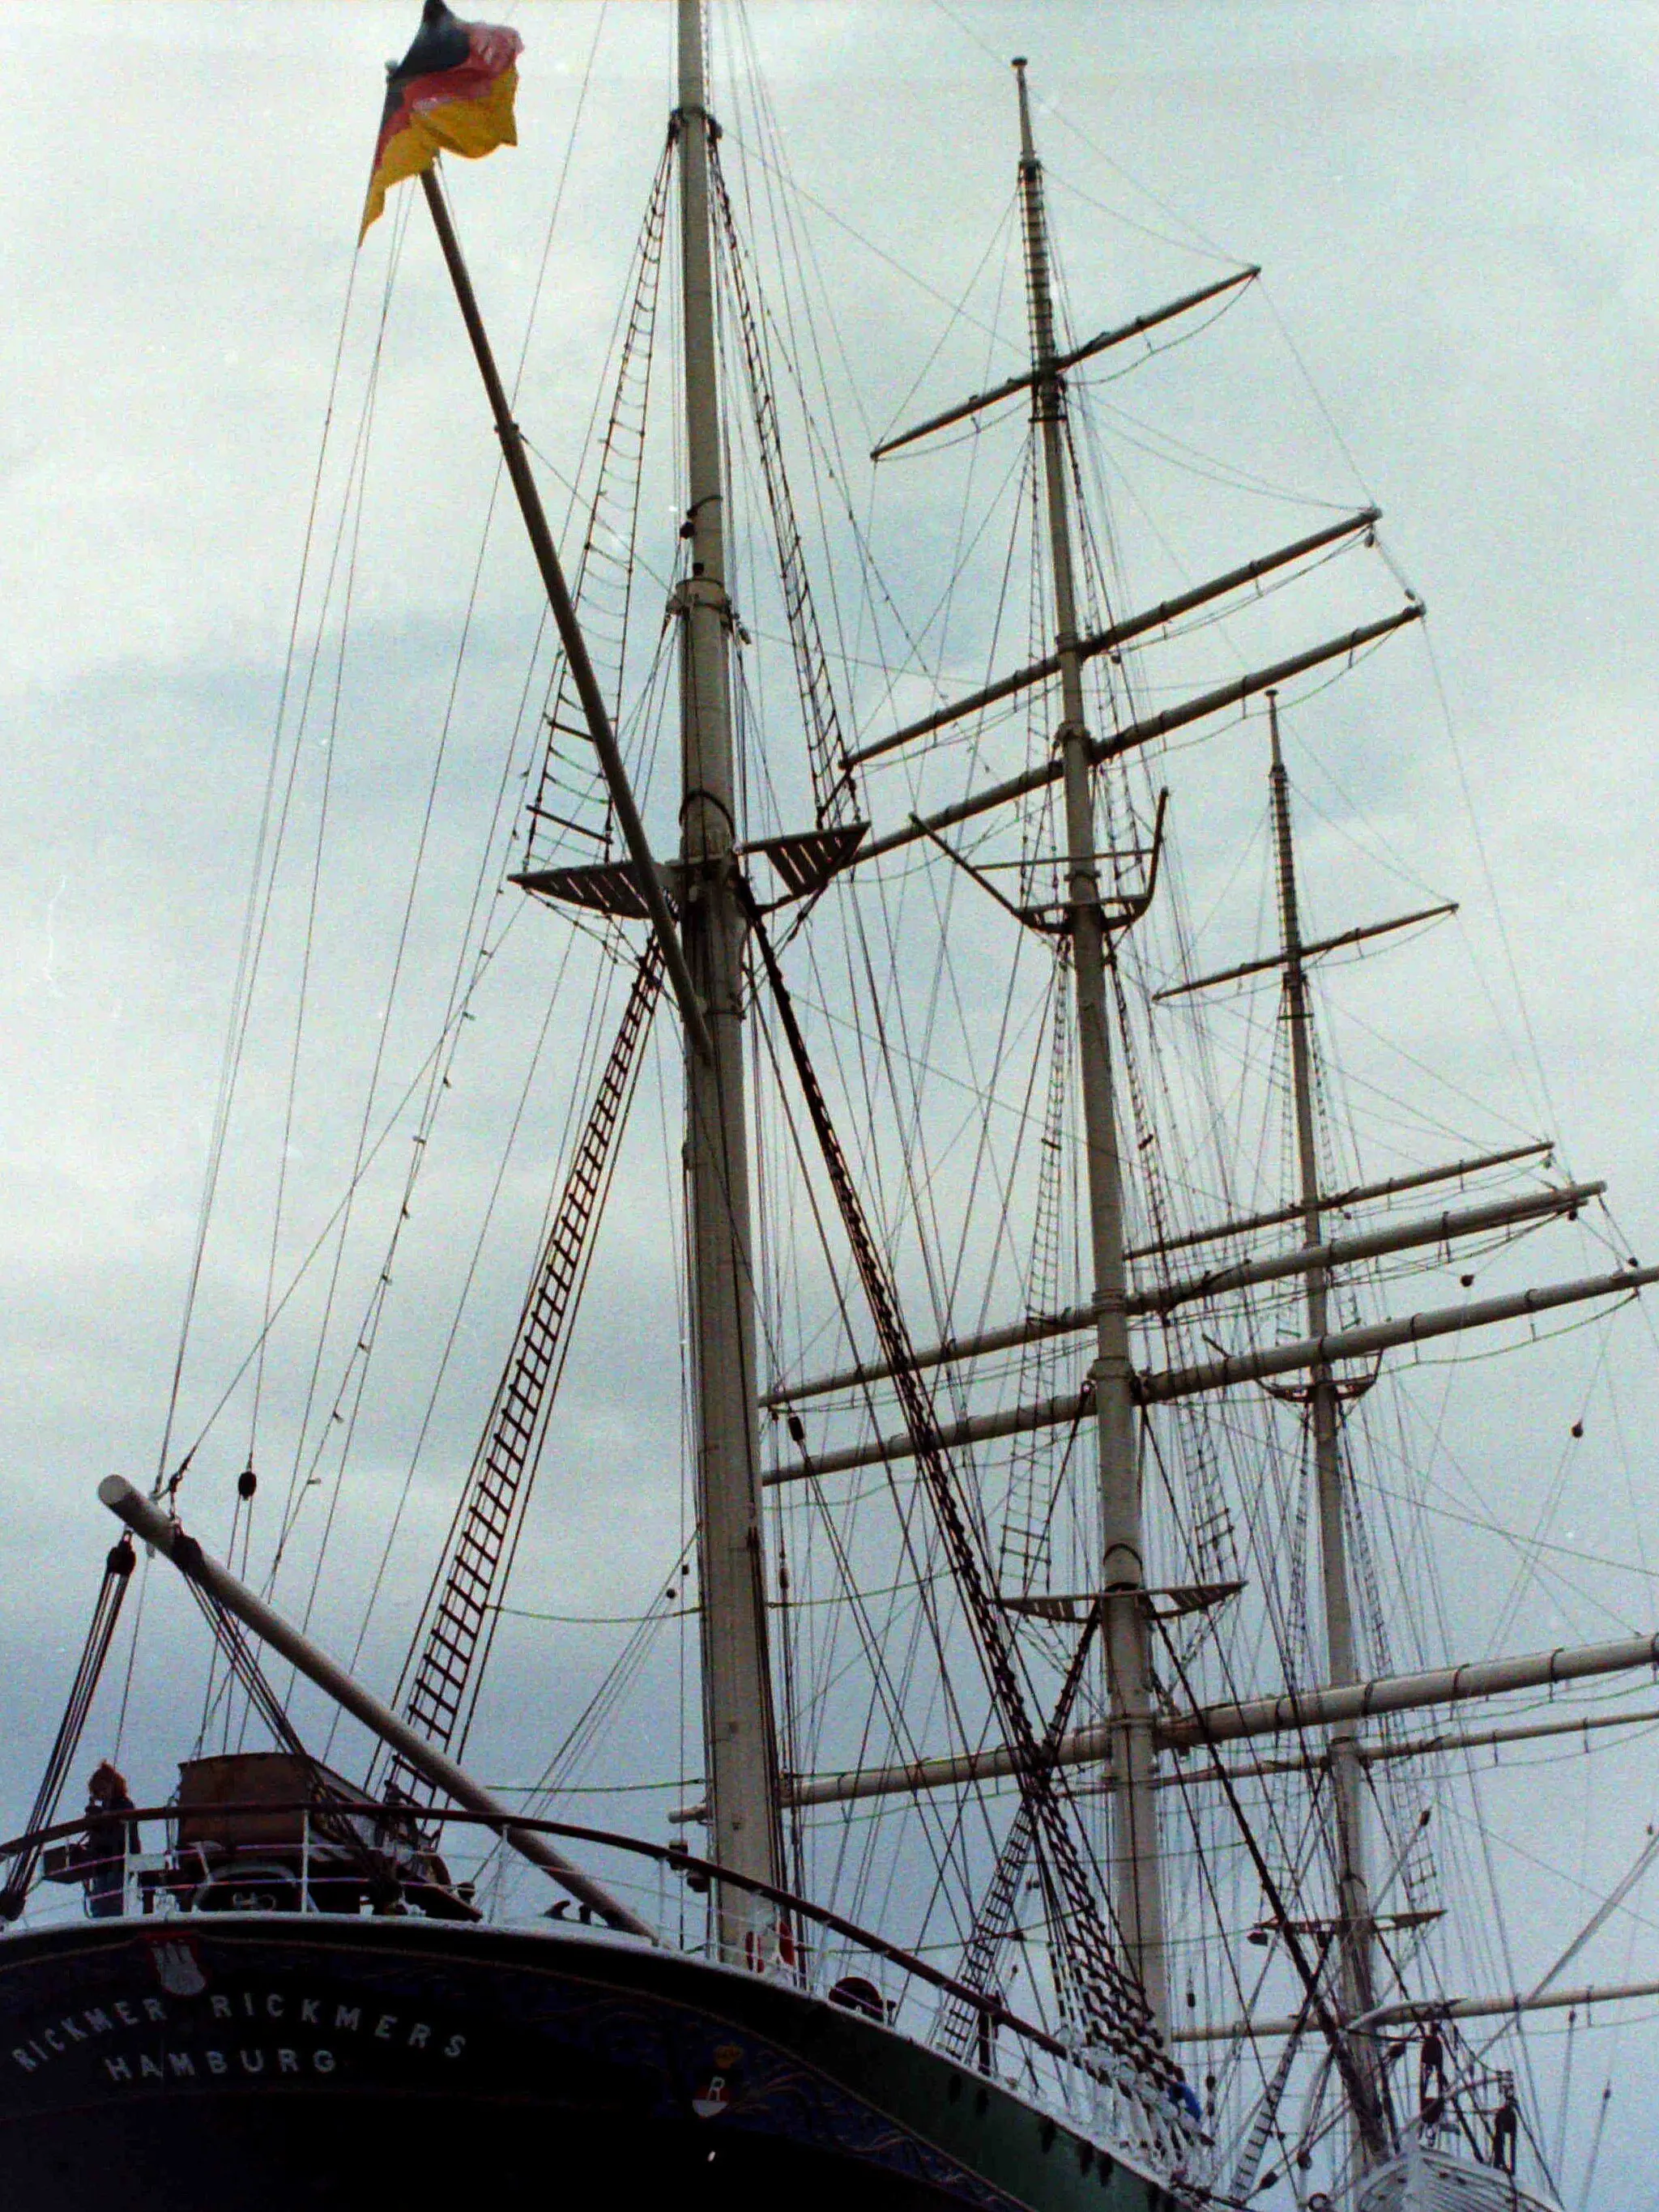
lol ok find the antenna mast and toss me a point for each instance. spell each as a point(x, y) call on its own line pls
point(1355, 1928)
point(1137, 1878)
point(738, 1726)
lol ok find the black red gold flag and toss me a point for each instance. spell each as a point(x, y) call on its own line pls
point(451, 93)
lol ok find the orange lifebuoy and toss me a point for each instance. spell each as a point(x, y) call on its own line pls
point(773, 1946)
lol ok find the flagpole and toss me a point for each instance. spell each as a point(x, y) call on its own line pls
point(570, 628)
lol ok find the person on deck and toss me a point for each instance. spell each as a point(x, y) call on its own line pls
point(109, 1838)
point(1505, 2128)
point(1431, 2078)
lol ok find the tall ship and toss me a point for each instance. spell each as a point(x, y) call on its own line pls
point(1039, 1770)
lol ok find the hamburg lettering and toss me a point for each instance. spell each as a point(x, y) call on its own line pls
point(179, 2065)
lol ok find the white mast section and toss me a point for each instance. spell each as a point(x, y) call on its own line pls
point(1355, 1935)
point(1136, 1875)
point(738, 1716)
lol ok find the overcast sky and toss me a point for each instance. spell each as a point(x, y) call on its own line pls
point(1453, 207)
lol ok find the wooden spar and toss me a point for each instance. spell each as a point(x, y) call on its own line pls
point(1314, 952)
point(1399, 1694)
point(1143, 733)
point(984, 1428)
point(1346, 1251)
point(1381, 1336)
point(1095, 642)
point(1101, 343)
point(1341, 1201)
point(1368, 1754)
point(1223, 1374)
point(1291, 1713)
point(148, 1520)
point(1338, 1251)
point(1410, 2010)
point(1378, 1755)
point(594, 710)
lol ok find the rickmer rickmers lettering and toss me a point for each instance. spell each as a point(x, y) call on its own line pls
point(273, 2011)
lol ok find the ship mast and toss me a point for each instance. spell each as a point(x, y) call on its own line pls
point(739, 1733)
point(1136, 1874)
point(1355, 1928)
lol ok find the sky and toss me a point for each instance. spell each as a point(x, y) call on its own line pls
point(1458, 319)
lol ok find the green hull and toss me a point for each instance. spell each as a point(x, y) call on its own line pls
point(280, 2063)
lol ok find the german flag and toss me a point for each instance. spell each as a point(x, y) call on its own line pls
point(452, 92)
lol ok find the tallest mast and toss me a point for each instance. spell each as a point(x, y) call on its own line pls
point(739, 1733)
point(1137, 1880)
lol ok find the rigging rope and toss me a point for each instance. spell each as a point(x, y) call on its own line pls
point(462, 1606)
point(832, 780)
point(106, 1613)
point(1113, 2007)
point(607, 551)
point(261, 882)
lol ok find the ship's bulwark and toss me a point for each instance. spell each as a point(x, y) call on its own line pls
point(258, 2063)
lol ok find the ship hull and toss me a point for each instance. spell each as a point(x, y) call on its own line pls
point(280, 2063)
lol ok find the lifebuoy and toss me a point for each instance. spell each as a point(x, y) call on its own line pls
point(763, 1948)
